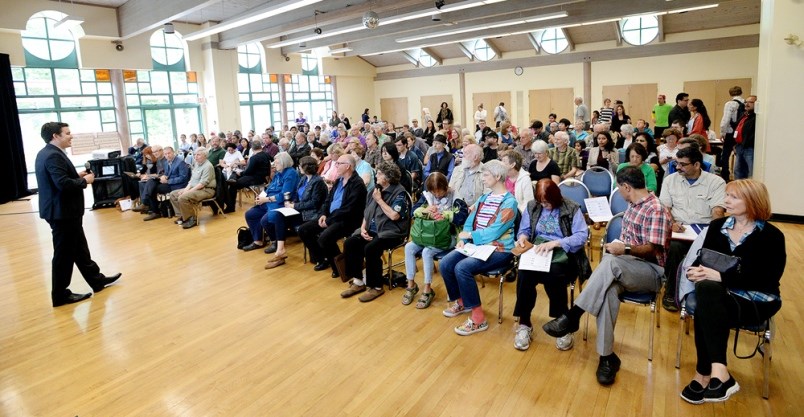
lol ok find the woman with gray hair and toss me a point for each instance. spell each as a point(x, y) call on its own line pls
point(626, 136)
point(491, 222)
point(386, 223)
point(262, 215)
point(542, 166)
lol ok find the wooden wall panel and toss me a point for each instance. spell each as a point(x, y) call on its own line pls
point(715, 94)
point(552, 100)
point(434, 104)
point(490, 102)
point(638, 99)
point(394, 110)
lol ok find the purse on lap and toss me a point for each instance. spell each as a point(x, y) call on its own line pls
point(720, 262)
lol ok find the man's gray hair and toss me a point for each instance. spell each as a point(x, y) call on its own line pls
point(256, 145)
point(497, 169)
point(627, 128)
point(561, 135)
point(202, 151)
point(351, 159)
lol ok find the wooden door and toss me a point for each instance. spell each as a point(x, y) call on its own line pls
point(394, 110)
point(562, 103)
point(434, 104)
point(638, 99)
point(552, 100)
point(539, 104)
point(490, 102)
point(715, 94)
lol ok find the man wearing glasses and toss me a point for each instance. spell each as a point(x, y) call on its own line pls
point(693, 197)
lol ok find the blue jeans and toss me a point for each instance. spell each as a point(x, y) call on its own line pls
point(275, 224)
point(411, 250)
point(459, 273)
point(743, 162)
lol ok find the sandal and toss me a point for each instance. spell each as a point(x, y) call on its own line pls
point(409, 294)
point(425, 299)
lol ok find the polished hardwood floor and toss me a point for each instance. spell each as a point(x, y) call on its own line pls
point(198, 328)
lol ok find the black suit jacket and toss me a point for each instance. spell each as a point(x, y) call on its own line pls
point(259, 165)
point(352, 206)
point(61, 190)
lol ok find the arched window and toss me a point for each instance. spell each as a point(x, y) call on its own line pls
point(553, 41)
point(259, 93)
point(309, 93)
point(47, 45)
point(426, 60)
point(167, 51)
point(639, 30)
point(483, 51)
point(163, 103)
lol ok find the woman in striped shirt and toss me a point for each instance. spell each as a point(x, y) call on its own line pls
point(491, 222)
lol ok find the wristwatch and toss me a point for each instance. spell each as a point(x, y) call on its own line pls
point(627, 249)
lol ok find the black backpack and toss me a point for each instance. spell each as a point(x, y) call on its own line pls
point(740, 113)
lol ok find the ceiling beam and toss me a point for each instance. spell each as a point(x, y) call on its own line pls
point(660, 37)
point(495, 48)
point(136, 17)
point(618, 37)
point(410, 58)
point(437, 58)
point(534, 42)
point(569, 39)
point(466, 51)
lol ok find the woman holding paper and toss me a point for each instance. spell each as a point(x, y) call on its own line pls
point(307, 199)
point(490, 225)
point(262, 216)
point(552, 226)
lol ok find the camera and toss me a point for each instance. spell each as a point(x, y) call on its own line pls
point(439, 4)
point(317, 31)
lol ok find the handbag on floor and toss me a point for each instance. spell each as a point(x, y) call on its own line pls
point(243, 237)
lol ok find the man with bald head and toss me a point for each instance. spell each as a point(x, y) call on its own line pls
point(340, 215)
point(525, 142)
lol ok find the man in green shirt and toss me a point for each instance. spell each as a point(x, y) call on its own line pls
point(660, 113)
point(216, 153)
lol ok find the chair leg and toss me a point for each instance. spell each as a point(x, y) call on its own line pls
point(572, 294)
point(500, 301)
point(682, 323)
point(766, 358)
point(586, 328)
point(653, 317)
point(390, 270)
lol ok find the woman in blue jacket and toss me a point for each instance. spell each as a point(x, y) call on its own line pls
point(262, 216)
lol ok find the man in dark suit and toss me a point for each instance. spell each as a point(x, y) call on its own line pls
point(256, 173)
point(61, 204)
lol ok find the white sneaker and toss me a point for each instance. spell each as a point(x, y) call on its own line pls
point(564, 342)
point(523, 336)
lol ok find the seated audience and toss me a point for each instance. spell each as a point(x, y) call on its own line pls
point(386, 224)
point(339, 216)
point(262, 216)
point(175, 176)
point(440, 159)
point(467, 180)
point(637, 154)
point(232, 161)
point(667, 151)
point(491, 148)
point(744, 296)
point(542, 166)
point(550, 223)
point(564, 156)
point(437, 203)
point(257, 171)
point(583, 153)
point(626, 137)
point(200, 187)
point(517, 180)
point(632, 263)
point(523, 148)
point(363, 169)
point(491, 222)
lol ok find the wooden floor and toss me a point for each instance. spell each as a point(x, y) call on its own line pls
point(198, 328)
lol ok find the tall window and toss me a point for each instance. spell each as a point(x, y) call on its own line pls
point(52, 88)
point(259, 93)
point(639, 30)
point(309, 93)
point(163, 103)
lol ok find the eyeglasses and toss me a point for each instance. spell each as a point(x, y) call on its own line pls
point(683, 164)
point(341, 163)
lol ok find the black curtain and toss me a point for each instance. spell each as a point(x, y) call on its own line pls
point(12, 155)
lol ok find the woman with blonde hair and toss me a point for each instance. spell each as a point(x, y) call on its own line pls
point(745, 295)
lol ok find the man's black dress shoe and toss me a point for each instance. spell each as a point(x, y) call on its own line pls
point(70, 299)
point(271, 248)
point(560, 327)
point(251, 246)
point(99, 284)
point(607, 369)
point(335, 274)
point(321, 266)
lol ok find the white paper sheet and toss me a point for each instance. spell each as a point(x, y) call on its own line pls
point(125, 205)
point(690, 232)
point(598, 209)
point(287, 211)
point(533, 261)
point(481, 252)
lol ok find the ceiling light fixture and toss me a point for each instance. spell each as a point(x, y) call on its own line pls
point(692, 9)
point(280, 8)
point(551, 16)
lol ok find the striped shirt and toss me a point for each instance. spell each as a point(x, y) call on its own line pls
point(487, 212)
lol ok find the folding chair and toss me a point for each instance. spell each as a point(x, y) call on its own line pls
point(617, 202)
point(598, 181)
point(577, 192)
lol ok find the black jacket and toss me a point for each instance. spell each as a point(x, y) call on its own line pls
point(314, 195)
point(350, 212)
point(677, 113)
point(762, 257)
point(749, 130)
point(61, 190)
point(259, 165)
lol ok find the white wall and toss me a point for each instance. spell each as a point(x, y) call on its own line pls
point(779, 90)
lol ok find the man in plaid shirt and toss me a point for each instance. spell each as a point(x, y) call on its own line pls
point(634, 263)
